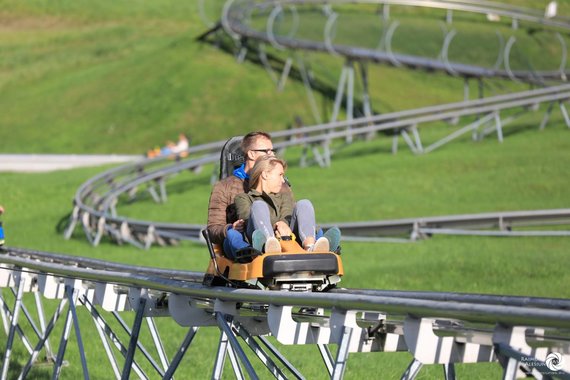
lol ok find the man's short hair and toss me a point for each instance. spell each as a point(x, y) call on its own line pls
point(250, 139)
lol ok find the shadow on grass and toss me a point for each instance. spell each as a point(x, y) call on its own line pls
point(41, 369)
point(63, 223)
point(216, 37)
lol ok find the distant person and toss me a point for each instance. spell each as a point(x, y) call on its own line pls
point(182, 145)
point(178, 148)
point(551, 10)
point(270, 215)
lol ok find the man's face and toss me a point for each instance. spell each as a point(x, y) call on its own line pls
point(261, 148)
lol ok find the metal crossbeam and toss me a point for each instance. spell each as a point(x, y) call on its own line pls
point(134, 333)
point(13, 325)
point(257, 350)
point(41, 343)
point(105, 332)
point(180, 353)
point(7, 318)
point(351, 323)
point(223, 324)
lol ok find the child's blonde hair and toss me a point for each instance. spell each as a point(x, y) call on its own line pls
point(265, 163)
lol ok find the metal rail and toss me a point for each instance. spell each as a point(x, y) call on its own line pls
point(471, 312)
point(236, 14)
point(523, 333)
point(95, 201)
point(468, 223)
point(98, 217)
point(486, 326)
point(90, 263)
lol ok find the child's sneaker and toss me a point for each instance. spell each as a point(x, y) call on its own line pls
point(258, 240)
point(333, 235)
point(321, 245)
point(272, 245)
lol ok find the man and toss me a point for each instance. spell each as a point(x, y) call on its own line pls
point(221, 209)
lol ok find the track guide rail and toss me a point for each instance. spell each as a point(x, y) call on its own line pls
point(436, 328)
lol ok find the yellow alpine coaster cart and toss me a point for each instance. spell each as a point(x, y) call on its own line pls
point(293, 269)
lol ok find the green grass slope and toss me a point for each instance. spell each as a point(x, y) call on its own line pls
point(114, 76)
point(123, 76)
point(527, 171)
point(118, 81)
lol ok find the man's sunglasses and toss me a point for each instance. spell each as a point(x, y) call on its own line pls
point(266, 151)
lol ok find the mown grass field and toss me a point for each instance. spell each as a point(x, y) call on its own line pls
point(118, 77)
point(122, 77)
point(457, 179)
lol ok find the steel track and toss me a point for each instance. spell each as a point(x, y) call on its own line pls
point(437, 328)
point(65, 265)
point(358, 320)
point(95, 201)
point(532, 311)
point(237, 13)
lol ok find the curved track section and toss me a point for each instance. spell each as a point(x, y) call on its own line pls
point(95, 201)
point(525, 335)
point(522, 333)
point(237, 15)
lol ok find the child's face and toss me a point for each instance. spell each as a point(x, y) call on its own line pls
point(275, 178)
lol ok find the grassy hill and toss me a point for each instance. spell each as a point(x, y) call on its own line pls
point(117, 76)
point(121, 77)
point(527, 171)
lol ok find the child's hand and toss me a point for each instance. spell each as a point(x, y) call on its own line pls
point(239, 225)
